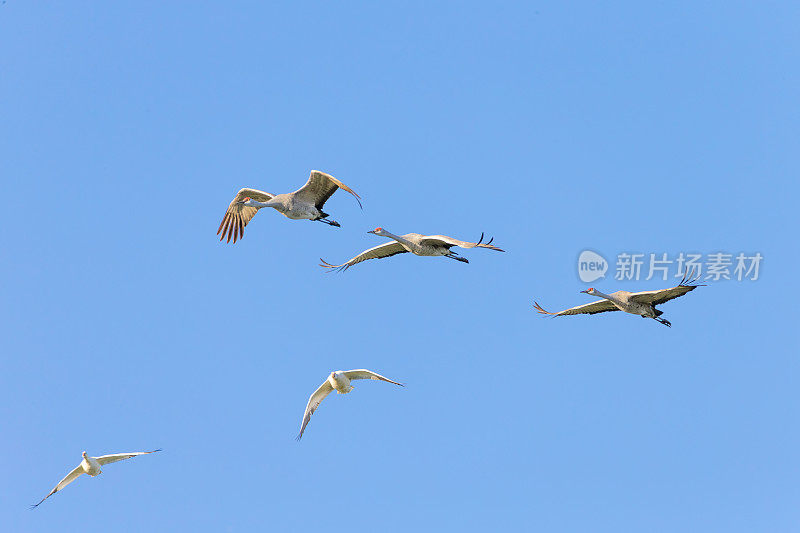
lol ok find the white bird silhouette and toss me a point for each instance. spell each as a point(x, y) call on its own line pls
point(340, 382)
point(426, 245)
point(637, 303)
point(91, 465)
point(303, 204)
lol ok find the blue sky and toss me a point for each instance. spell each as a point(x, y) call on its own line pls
point(126, 325)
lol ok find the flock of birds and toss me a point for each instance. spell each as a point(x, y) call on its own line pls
point(306, 203)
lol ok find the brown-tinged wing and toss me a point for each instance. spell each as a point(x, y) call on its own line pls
point(593, 308)
point(238, 215)
point(321, 186)
point(378, 252)
point(687, 284)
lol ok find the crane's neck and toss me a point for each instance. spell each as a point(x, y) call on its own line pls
point(604, 295)
point(398, 238)
point(259, 205)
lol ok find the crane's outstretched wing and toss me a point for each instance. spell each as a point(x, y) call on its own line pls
point(238, 215)
point(378, 252)
point(320, 187)
point(72, 476)
point(363, 373)
point(687, 284)
point(313, 402)
point(587, 309)
point(449, 241)
point(114, 457)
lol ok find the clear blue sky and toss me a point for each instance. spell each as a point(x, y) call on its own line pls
point(127, 127)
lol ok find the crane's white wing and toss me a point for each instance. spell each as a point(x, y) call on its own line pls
point(601, 306)
point(238, 215)
point(444, 240)
point(114, 457)
point(687, 284)
point(72, 476)
point(363, 373)
point(313, 402)
point(321, 186)
point(378, 252)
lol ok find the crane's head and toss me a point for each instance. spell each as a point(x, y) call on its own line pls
point(245, 200)
point(83, 454)
point(590, 290)
point(378, 231)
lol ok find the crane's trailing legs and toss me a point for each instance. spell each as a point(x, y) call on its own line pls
point(659, 319)
point(324, 218)
point(453, 255)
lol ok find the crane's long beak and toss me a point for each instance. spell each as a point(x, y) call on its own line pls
point(371, 231)
point(586, 291)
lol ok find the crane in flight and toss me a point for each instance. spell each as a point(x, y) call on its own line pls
point(636, 303)
point(303, 204)
point(425, 245)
